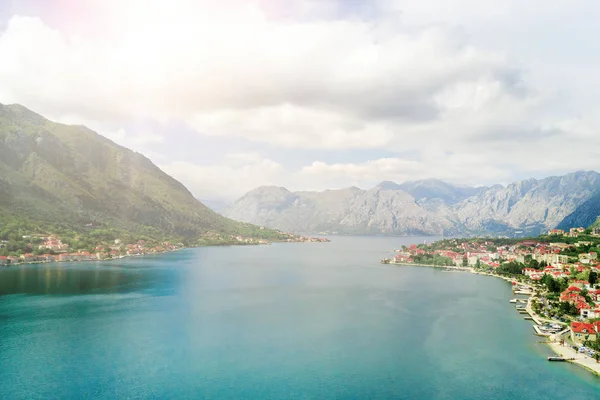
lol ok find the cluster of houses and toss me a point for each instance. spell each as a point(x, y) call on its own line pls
point(573, 295)
point(573, 232)
point(474, 253)
point(53, 243)
point(547, 255)
point(60, 252)
point(307, 239)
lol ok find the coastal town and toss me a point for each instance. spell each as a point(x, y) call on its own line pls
point(53, 249)
point(555, 280)
point(40, 248)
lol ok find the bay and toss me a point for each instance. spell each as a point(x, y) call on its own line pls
point(285, 321)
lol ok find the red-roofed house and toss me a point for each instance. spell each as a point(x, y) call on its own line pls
point(581, 331)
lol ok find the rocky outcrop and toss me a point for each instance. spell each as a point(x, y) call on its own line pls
point(423, 207)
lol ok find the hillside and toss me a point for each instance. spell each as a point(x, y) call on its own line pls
point(55, 174)
point(429, 207)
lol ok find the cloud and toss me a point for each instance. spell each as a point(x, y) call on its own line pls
point(233, 71)
point(436, 84)
point(238, 174)
point(458, 170)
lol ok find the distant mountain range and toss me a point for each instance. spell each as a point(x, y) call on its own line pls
point(55, 174)
point(428, 207)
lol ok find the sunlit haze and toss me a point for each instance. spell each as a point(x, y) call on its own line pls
point(321, 94)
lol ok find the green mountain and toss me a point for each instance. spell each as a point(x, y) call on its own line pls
point(69, 176)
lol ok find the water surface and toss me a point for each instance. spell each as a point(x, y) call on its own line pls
point(286, 321)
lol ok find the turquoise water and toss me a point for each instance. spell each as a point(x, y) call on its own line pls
point(287, 321)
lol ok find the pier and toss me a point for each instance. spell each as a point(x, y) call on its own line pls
point(560, 359)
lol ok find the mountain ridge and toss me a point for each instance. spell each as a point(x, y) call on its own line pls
point(56, 174)
point(431, 206)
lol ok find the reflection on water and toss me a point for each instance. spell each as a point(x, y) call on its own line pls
point(70, 279)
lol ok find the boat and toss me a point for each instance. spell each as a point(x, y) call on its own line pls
point(512, 301)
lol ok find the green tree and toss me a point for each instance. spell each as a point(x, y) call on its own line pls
point(593, 278)
point(568, 308)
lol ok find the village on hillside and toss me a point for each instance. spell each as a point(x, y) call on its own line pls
point(557, 271)
point(53, 249)
point(41, 248)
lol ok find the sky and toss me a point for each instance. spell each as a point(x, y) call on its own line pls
point(314, 94)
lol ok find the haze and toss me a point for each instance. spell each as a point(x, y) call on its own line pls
point(321, 94)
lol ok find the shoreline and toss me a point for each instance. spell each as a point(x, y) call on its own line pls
point(152, 254)
point(97, 260)
point(578, 359)
point(553, 340)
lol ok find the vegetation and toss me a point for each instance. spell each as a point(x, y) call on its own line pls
point(432, 259)
point(512, 268)
point(555, 285)
point(566, 308)
point(82, 180)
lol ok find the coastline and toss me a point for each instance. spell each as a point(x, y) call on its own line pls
point(578, 359)
point(96, 260)
point(554, 340)
point(453, 267)
point(155, 254)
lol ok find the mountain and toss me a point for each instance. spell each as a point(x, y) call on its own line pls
point(587, 214)
point(52, 173)
point(436, 189)
point(427, 207)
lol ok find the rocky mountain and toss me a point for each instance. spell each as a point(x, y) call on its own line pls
point(426, 207)
point(69, 175)
point(587, 214)
point(436, 189)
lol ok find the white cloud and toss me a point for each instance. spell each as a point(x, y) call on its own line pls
point(413, 78)
point(238, 174)
point(235, 72)
point(459, 170)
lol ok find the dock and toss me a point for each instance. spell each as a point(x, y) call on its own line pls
point(560, 359)
point(523, 292)
point(538, 331)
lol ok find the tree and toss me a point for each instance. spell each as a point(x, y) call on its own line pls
point(593, 278)
point(563, 284)
point(586, 295)
point(465, 261)
point(551, 283)
point(568, 308)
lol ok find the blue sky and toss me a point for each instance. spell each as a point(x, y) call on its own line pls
point(227, 96)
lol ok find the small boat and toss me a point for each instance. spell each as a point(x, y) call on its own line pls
point(513, 301)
